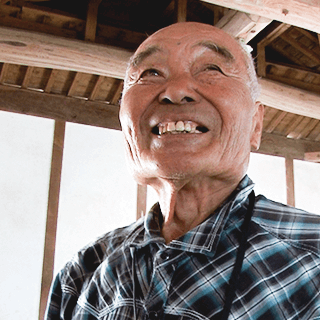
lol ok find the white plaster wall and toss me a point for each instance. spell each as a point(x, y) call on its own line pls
point(97, 192)
point(307, 185)
point(25, 158)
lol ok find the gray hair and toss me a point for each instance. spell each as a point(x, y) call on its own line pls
point(253, 83)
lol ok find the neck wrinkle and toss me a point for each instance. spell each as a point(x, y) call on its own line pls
point(186, 207)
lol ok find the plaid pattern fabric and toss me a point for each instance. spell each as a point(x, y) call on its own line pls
point(187, 279)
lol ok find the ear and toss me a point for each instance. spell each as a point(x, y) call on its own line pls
point(257, 126)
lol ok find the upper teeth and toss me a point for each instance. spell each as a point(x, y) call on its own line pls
point(178, 127)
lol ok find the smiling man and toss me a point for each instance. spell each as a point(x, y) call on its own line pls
point(209, 249)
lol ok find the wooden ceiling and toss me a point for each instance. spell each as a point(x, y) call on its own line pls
point(66, 59)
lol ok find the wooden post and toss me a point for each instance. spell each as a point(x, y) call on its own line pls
point(52, 215)
point(181, 10)
point(92, 18)
point(141, 200)
point(261, 58)
point(290, 181)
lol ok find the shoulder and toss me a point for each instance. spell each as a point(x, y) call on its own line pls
point(295, 226)
point(84, 263)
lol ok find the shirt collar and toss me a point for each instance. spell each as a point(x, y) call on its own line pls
point(204, 237)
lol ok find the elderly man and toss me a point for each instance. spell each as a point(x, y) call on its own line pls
point(210, 249)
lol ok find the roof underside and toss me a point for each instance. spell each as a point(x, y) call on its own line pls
point(287, 56)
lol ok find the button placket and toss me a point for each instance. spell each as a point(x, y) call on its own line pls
point(153, 315)
point(164, 256)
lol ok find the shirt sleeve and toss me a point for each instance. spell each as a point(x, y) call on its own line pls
point(54, 300)
point(62, 300)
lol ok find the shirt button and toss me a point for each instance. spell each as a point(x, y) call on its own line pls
point(153, 315)
point(164, 256)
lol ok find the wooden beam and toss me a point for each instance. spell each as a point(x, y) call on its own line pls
point(52, 215)
point(47, 51)
point(91, 22)
point(261, 58)
point(289, 99)
point(57, 107)
point(276, 145)
point(282, 69)
point(304, 14)
point(290, 181)
point(106, 115)
point(181, 10)
point(312, 156)
point(242, 25)
point(65, 25)
point(33, 49)
point(302, 48)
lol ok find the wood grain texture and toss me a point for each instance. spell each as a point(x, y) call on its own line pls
point(39, 50)
point(301, 13)
point(59, 107)
point(290, 99)
point(52, 214)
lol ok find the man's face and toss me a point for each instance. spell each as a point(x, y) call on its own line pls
point(187, 109)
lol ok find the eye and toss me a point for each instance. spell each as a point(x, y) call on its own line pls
point(150, 73)
point(212, 67)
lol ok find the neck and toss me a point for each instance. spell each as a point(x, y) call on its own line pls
point(185, 204)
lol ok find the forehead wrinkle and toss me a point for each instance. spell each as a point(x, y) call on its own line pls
point(141, 56)
point(223, 52)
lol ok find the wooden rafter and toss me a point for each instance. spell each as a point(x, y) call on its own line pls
point(261, 59)
point(27, 78)
point(3, 73)
point(96, 88)
point(75, 82)
point(53, 74)
point(64, 25)
point(38, 50)
point(181, 10)
point(92, 20)
point(242, 25)
point(290, 99)
point(302, 48)
point(275, 68)
point(275, 121)
point(294, 12)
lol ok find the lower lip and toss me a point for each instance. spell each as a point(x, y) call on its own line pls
point(167, 139)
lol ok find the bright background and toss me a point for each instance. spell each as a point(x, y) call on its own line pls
point(97, 195)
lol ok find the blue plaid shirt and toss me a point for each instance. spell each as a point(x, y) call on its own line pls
point(188, 278)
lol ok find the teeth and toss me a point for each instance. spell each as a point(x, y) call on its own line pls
point(187, 127)
point(178, 127)
point(171, 126)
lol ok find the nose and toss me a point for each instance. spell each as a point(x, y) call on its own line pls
point(179, 91)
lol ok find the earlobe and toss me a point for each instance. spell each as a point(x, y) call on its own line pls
point(257, 126)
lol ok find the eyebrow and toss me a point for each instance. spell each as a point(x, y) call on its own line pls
point(138, 58)
point(225, 53)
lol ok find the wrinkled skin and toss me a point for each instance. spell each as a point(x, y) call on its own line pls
point(177, 74)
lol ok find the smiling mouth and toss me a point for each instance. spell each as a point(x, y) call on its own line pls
point(178, 127)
